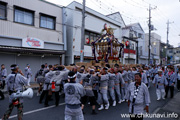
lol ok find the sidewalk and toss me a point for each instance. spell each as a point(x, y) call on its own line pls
point(173, 106)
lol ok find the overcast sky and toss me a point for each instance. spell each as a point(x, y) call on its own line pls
point(134, 11)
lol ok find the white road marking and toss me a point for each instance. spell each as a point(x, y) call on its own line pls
point(37, 110)
point(156, 110)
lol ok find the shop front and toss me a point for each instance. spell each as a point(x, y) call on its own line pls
point(23, 51)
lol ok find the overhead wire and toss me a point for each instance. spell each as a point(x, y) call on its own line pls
point(108, 7)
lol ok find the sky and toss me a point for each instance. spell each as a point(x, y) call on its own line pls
point(134, 11)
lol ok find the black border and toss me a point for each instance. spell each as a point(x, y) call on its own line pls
point(42, 14)
point(5, 4)
point(24, 9)
point(89, 32)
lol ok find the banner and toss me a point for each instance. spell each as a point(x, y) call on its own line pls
point(32, 43)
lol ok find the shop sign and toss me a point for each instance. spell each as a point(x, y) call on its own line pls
point(32, 43)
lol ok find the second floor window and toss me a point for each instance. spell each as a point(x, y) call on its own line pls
point(89, 36)
point(2, 10)
point(130, 35)
point(47, 22)
point(24, 16)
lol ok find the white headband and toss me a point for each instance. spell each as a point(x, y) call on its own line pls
point(12, 68)
point(71, 77)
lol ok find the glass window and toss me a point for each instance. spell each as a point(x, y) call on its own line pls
point(2, 10)
point(24, 16)
point(130, 35)
point(90, 36)
point(154, 50)
point(142, 37)
point(170, 51)
point(86, 37)
point(135, 33)
point(47, 22)
point(131, 45)
point(139, 35)
point(95, 37)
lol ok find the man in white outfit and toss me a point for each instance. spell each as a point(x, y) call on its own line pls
point(28, 73)
point(160, 81)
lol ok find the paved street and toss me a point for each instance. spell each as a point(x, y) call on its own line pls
point(35, 111)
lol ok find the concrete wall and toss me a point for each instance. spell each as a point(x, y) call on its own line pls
point(10, 28)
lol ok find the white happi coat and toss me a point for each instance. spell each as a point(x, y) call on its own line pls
point(142, 99)
point(160, 81)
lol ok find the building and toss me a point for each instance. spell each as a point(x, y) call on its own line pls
point(176, 57)
point(163, 53)
point(170, 54)
point(31, 34)
point(142, 54)
point(94, 23)
point(130, 54)
point(155, 47)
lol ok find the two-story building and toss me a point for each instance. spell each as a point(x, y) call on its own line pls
point(139, 35)
point(131, 43)
point(94, 23)
point(31, 33)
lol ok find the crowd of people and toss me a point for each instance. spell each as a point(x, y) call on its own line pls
point(101, 87)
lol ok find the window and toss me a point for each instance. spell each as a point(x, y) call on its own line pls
point(23, 16)
point(140, 50)
point(47, 21)
point(154, 50)
point(139, 35)
point(170, 51)
point(135, 33)
point(130, 35)
point(142, 37)
point(3, 10)
point(132, 45)
point(89, 36)
point(86, 37)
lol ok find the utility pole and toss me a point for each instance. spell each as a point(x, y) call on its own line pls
point(167, 44)
point(150, 28)
point(82, 33)
point(149, 34)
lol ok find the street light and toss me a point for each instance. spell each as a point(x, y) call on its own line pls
point(154, 43)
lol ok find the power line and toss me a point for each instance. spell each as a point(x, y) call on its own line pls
point(111, 7)
point(164, 16)
point(107, 7)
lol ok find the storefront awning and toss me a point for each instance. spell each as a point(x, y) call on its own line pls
point(30, 50)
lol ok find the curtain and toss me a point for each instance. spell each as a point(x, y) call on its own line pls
point(23, 17)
